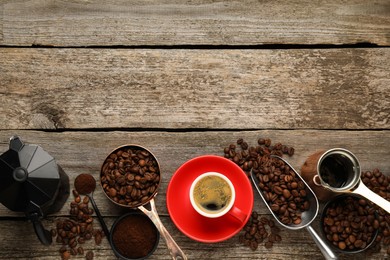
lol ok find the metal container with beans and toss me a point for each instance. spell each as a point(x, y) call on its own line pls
point(349, 223)
point(130, 177)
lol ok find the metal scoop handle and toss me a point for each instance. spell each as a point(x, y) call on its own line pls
point(174, 249)
point(325, 249)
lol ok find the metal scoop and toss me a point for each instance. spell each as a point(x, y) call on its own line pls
point(307, 216)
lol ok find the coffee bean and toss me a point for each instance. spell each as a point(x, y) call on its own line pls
point(89, 255)
point(268, 244)
point(80, 250)
point(291, 151)
point(98, 238)
point(65, 255)
point(275, 207)
point(286, 193)
point(342, 245)
point(73, 251)
point(278, 190)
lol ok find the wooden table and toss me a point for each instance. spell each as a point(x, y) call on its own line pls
point(187, 78)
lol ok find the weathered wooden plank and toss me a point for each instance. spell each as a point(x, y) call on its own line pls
point(223, 89)
point(79, 152)
point(205, 22)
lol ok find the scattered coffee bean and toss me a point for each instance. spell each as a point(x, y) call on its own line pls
point(247, 157)
point(130, 176)
point(65, 255)
point(89, 255)
point(80, 250)
point(259, 230)
point(77, 229)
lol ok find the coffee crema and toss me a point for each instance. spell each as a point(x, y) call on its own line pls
point(212, 194)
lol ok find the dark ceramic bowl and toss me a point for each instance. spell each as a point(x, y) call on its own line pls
point(130, 233)
point(342, 201)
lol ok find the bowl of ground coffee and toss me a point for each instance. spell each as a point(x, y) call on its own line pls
point(349, 223)
point(134, 236)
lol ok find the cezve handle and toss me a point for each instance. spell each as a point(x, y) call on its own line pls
point(372, 196)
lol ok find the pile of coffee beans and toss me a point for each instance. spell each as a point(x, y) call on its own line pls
point(260, 230)
point(130, 176)
point(349, 223)
point(76, 230)
point(283, 190)
point(248, 157)
point(379, 183)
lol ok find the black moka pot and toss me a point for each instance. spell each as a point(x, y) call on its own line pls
point(33, 183)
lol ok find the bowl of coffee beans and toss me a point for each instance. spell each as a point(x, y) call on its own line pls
point(130, 176)
point(349, 223)
point(134, 236)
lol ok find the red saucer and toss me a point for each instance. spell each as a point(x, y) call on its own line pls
point(190, 222)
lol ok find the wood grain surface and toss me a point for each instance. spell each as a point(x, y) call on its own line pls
point(204, 22)
point(202, 89)
point(188, 78)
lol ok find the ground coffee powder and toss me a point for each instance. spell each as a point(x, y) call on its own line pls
point(134, 236)
point(85, 183)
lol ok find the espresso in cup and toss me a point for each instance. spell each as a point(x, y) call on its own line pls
point(212, 194)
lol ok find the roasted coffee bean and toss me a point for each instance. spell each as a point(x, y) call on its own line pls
point(268, 244)
point(98, 238)
point(65, 255)
point(254, 244)
point(73, 251)
point(75, 193)
point(80, 250)
point(89, 255)
point(134, 179)
point(77, 199)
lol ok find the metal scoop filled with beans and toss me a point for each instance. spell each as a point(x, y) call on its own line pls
point(290, 200)
point(130, 177)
